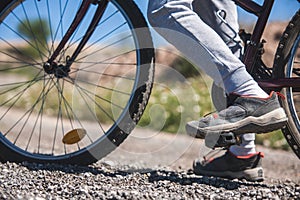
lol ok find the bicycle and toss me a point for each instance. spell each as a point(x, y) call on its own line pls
point(68, 64)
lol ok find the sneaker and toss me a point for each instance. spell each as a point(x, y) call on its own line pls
point(245, 115)
point(232, 167)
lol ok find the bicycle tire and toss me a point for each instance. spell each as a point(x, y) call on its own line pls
point(132, 65)
point(284, 66)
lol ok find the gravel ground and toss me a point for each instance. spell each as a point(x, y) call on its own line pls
point(152, 167)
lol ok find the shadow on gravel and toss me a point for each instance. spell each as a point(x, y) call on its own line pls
point(153, 175)
point(188, 178)
point(73, 169)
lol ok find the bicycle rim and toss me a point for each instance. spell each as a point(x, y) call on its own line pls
point(292, 95)
point(287, 64)
point(100, 93)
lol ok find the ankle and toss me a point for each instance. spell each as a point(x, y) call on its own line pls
point(238, 150)
point(251, 89)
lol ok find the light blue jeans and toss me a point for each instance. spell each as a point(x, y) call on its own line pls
point(193, 27)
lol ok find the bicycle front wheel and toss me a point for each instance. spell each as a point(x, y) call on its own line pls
point(99, 98)
point(287, 65)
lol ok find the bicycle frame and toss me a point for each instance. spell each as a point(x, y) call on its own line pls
point(263, 13)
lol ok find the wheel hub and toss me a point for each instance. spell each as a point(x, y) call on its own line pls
point(59, 70)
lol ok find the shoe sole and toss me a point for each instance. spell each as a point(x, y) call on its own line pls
point(266, 123)
point(254, 175)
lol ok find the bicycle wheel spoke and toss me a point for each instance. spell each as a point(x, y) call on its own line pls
point(50, 22)
point(106, 88)
point(105, 61)
point(105, 74)
point(32, 130)
point(42, 27)
point(99, 97)
point(15, 68)
point(18, 51)
point(29, 112)
point(68, 109)
point(103, 37)
point(19, 84)
point(35, 40)
point(60, 117)
point(60, 27)
point(90, 110)
point(40, 114)
point(98, 105)
point(24, 39)
point(104, 48)
point(16, 97)
point(60, 24)
point(72, 43)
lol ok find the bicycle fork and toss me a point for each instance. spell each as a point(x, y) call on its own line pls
point(59, 70)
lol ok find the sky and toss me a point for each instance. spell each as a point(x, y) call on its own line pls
point(283, 10)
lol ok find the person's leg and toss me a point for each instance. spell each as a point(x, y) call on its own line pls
point(207, 11)
point(176, 21)
point(196, 38)
point(252, 110)
point(244, 153)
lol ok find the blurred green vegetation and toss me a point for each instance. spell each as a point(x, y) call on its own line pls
point(36, 33)
point(273, 139)
point(31, 50)
point(169, 108)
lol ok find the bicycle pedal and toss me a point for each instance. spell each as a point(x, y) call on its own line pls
point(221, 140)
